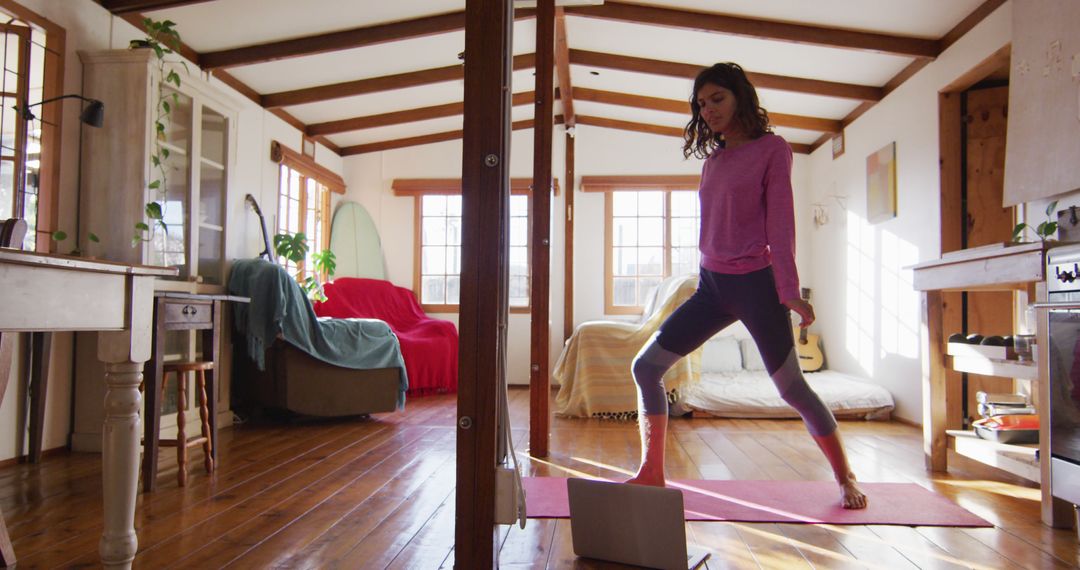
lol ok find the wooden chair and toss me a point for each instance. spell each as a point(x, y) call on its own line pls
point(182, 442)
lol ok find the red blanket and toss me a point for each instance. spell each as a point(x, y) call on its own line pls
point(429, 346)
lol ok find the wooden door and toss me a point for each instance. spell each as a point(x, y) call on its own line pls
point(986, 221)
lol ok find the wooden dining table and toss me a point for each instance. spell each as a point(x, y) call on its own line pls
point(56, 293)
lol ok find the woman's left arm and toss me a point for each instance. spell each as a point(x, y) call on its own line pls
point(780, 222)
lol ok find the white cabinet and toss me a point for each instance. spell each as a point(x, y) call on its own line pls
point(117, 170)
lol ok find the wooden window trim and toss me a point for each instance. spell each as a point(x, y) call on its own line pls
point(306, 166)
point(48, 207)
point(419, 187)
point(634, 183)
point(324, 221)
point(611, 184)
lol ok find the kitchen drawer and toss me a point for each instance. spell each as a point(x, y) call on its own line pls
point(189, 313)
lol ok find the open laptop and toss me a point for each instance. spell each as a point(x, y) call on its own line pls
point(630, 524)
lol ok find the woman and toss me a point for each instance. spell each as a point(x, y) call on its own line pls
point(748, 269)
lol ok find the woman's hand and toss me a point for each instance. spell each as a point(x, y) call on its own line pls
point(804, 309)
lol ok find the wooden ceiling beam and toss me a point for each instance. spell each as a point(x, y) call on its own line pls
point(760, 80)
point(799, 148)
point(406, 116)
point(342, 40)
point(376, 84)
point(763, 29)
point(126, 6)
point(426, 139)
point(683, 107)
point(977, 15)
point(562, 68)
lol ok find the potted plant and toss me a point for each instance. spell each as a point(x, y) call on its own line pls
point(1044, 230)
point(295, 248)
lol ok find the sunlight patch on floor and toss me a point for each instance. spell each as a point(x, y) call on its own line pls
point(995, 487)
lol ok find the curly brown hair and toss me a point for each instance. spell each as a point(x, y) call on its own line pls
point(699, 138)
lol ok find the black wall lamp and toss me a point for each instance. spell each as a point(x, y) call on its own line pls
point(93, 114)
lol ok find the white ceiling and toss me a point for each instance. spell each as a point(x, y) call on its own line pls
point(223, 24)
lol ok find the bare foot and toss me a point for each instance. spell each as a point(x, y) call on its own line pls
point(647, 479)
point(851, 497)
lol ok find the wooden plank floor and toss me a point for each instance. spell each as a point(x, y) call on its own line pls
point(379, 493)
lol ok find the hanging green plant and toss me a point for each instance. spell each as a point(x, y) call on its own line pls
point(164, 40)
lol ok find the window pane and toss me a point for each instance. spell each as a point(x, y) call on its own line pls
point(453, 205)
point(519, 205)
point(453, 290)
point(650, 203)
point(453, 231)
point(684, 232)
point(650, 261)
point(519, 291)
point(623, 291)
point(519, 231)
point(434, 231)
point(645, 288)
point(519, 261)
point(453, 261)
point(433, 205)
point(433, 261)
point(624, 232)
point(433, 291)
point(625, 261)
point(624, 203)
point(651, 231)
point(294, 184)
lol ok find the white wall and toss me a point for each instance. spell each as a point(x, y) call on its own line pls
point(868, 313)
point(91, 27)
point(369, 178)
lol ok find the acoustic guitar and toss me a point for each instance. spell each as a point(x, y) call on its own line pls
point(808, 346)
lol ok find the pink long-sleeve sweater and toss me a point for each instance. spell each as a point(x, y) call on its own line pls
point(747, 217)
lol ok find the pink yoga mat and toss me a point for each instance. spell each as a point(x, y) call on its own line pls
point(781, 502)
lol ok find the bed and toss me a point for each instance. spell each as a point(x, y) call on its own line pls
point(734, 384)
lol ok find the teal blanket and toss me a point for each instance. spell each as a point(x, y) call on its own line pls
point(279, 306)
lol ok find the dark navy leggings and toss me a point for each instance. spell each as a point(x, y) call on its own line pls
point(720, 300)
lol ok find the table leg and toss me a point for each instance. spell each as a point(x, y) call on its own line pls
point(935, 443)
point(120, 468)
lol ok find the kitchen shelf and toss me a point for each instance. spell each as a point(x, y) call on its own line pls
point(1028, 370)
point(1019, 459)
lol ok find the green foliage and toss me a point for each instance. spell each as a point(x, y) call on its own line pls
point(1044, 230)
point(295, 249)
point(164, 40)
point(61, 235)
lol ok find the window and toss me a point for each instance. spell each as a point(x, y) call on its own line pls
point(651, 227)
point(437, 267)
point(304, 204)
point(29, 150)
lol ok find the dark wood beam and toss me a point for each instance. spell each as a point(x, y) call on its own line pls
point(406, 116)
point(126, 6)
point(683, 107)
point(376, 84)
point(540, 235)
point(760, 80)
point(562, 67)
point(763, 29)
point(341, 40)
point(425, 139)
point(977, 15)
point(657, 129)
point(482, 314)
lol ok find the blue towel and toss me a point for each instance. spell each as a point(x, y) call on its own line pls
point(279, 306)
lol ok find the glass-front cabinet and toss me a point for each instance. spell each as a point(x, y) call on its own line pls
point(118, 167)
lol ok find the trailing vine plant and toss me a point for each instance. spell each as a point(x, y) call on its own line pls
point(163, 39)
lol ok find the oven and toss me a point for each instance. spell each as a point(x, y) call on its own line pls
point(1063, 409)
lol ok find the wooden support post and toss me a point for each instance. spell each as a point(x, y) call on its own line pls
point(482, 321)
point(540, 290)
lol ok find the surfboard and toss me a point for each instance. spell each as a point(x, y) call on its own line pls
point(355, 242)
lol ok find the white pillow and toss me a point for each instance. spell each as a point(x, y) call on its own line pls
point(721, 354)
point(750, 355)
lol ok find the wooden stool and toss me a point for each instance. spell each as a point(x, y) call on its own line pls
point(182, 443)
